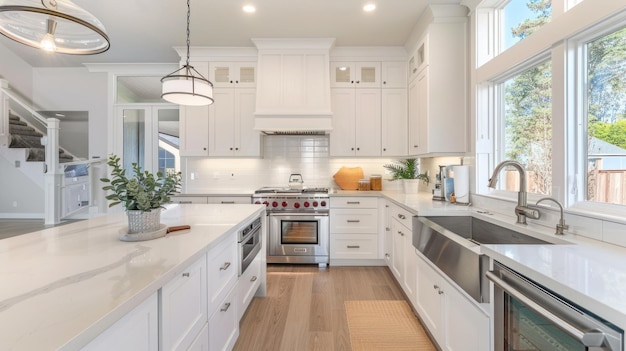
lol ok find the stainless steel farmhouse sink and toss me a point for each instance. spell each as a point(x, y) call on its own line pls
point(452, 244)
point(482, 232)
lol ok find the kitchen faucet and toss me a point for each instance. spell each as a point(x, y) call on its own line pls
point(561, 226)
point(521, 210)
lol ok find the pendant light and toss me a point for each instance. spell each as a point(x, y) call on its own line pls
point(186, 86)
point(53, 25)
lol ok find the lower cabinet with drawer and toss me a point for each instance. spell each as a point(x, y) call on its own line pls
point(224, 323)
point(354, 231)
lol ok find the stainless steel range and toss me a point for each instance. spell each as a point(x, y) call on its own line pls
point(298, 224)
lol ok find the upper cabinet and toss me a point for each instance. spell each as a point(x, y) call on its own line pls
point(231, 124)
point(194, 123)
point(438, 89)
point(233, 74)
point(355, 74)
point(393, 74)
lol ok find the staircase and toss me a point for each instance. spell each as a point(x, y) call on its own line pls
point(21, 135)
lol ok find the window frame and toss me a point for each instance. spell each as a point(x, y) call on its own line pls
point(556, 39)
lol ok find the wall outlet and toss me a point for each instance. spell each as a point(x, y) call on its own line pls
point(17, 164)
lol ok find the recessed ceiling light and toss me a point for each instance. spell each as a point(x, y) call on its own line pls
point(249, 9)
point(369, 7)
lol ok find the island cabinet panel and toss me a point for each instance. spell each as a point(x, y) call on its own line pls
point(184, 307)
point(136, 331)
point(202, 341)
point(248, 285)
point(222, 269)
point(224, 323)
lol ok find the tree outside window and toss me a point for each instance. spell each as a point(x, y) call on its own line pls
point(606, 118)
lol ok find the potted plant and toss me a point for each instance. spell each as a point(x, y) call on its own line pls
point(142, 195)
point(407, 170)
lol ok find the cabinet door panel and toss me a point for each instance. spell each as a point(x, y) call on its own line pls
point(368, 123)
point(194, 131)
point(342, 137)
point(394, 122)
point(222, 118)
point(354, 221)
point(248, 140)
point(466, 328)
point(394, 74)
point(429, 301)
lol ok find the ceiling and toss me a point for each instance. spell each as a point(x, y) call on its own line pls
point(147, 30)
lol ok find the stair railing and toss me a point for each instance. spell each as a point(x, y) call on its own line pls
point(53, 174)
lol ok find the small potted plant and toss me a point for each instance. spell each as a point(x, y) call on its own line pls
point(407, 170)
point(142, 195)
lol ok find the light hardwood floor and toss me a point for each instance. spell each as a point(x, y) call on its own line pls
point(304, 308)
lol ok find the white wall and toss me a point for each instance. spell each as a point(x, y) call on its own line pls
point(17, 72)
point(74, 137)
point(20, 197)
point(76, 89)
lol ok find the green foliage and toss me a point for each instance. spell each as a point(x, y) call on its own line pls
point(406, 169)
point(613, 133)
point(142, 192)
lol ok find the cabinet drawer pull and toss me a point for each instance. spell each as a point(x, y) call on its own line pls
point(435, 286)
point(401, 233)
point(401, 216)
point(226, 307)
point(353, 220)
point(185, 202)
point(225, 266)
point(185, 274)
point(353, 202)
point(228, 202)
point(353, 246)
point(253, 279)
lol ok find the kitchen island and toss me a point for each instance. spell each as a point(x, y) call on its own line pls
point(62, 287)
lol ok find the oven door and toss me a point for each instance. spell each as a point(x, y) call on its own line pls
point(249, 246)
point(529, 317)
point(298, 234)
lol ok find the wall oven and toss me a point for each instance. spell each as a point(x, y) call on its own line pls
point(528, 316)
point(249, 241)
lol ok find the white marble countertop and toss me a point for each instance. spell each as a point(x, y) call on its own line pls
point(61, 287)
point(588, 272)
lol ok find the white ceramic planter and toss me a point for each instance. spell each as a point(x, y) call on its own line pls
point(143, 222)
point(410, 185)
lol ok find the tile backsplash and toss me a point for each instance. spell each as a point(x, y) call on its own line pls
point(282, 155)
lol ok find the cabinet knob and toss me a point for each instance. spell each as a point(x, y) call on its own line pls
point(352, 148)
point(351, 82)
point(440, 292)
point(237, 82)
point(358, 149)
point(254, 278)
point(414, 70)
point(231, 149)
point(401, 216)
point(401, 233)
point(231, 82)
point(236, 149)
point(415, 146)
point(358, 81)
point(384, 149)
point(435, 286)
point(204, 148)
point(384, 82)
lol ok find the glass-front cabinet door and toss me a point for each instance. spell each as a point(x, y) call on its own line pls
point(148, 136)
point(355, 74)
point(233, 74)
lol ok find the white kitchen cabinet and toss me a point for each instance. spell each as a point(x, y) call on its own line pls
point(356, 122)
point(138, 330)
point(393, 74)
point(394, 122)
point(224, 323)
point(229, 200)
point(355, 74)
point(202, 341)
point(388, 236)
point(438, 90)
point(231, 120)
point(233, 74)
point(222, 271)
point(354, 227)
point(248, 284)
point(452, 318)
point(184, 307)
point(397, 253)
point(194, 123)
point(403, 264)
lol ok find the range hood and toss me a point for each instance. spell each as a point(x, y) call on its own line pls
point(293, 86)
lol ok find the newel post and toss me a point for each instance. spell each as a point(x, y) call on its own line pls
point(54, 176)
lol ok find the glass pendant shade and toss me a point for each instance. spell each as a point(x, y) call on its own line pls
point(53, 24)
point(187, 89)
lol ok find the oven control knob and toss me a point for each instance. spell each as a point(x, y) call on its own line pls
point(274, 204)
point(314, 203)
point(266, 203)
point(284, 204)
point(296, 205)
point(257, 202)
point(307, 204)
point(323, 203)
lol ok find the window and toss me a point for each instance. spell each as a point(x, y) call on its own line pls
point(521, 18)
point(605, 118)
point(527, 128)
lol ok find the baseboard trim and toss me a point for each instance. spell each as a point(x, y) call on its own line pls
point(21, 216)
